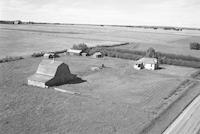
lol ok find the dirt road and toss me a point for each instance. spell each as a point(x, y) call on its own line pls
point(188, 122)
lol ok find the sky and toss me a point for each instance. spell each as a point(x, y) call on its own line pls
point(183, 13)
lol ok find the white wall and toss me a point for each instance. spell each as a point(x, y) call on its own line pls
point(149, 66)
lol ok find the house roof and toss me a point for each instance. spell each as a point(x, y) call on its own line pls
point(74, 51)
point(146, 60)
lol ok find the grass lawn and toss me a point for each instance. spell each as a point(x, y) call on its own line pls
point(116, 99)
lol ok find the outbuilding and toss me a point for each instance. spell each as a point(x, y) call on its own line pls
point(17, 22)
point(84, 54)
point(51, 73)
point(49, 55)
point(146, 63)
point(97, 55)
point(74, 52)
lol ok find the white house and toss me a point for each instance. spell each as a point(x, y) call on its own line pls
point(146, 63)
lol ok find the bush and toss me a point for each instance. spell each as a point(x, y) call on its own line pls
point(195, 45)
point(8, 59)
point(39, 54)
point(81, 46)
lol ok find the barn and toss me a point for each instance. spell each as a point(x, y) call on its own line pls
point(51, 73)
point(146, 63)
point(74, 52)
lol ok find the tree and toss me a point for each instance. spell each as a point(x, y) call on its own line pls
point(195, 45)
point(81, 46)
point(151, 53)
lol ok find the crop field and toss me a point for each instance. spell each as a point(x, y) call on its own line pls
point(115, 99)
point(17, 40)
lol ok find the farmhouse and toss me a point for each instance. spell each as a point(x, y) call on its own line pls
point(146, 63)
point(50, 73)
point(97, 55)
point(74, 52)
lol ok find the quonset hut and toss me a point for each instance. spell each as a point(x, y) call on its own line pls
point(51, 73)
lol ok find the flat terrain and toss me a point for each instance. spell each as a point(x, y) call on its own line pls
point(115, 99)
point(20, 40)
point(188, 121)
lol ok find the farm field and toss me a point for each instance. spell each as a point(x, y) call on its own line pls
point(115, 99)
point(17, 40)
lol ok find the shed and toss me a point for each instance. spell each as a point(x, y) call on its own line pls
point(74, 52)
point(97, 55)
point(84, 54)
point(51, 73)
point(17, 22)
point(49, 55)
point(147, 63)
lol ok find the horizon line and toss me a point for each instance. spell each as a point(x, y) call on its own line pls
point(119, 25)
